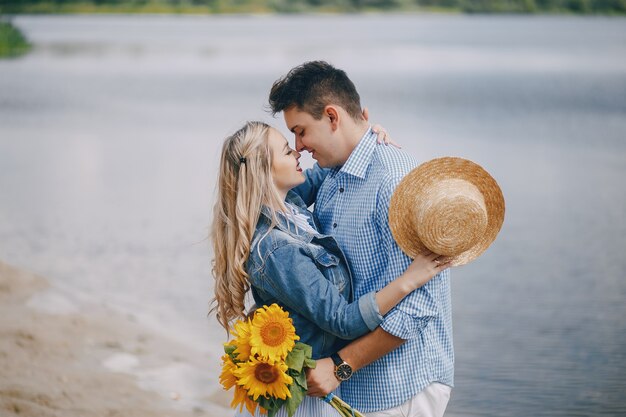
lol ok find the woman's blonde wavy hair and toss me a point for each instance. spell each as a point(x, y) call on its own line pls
point(244, 185)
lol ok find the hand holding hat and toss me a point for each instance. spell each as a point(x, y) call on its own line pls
point(449, 206)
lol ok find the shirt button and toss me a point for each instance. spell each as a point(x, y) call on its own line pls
point(341, 190)
point(334, 225)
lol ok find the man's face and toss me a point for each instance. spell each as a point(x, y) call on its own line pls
point(313, 136)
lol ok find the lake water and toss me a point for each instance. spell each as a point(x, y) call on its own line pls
point(110, 129)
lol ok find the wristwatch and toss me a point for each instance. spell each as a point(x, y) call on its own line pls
point(343, 371)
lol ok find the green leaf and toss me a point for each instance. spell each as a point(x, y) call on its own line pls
point(292, 403)
point(271, 404)
point(300, 379)
point(295, 359)
point(300, 356)
point(308, 350)
point(310, 363)
point(263, 402)
point(230, 350)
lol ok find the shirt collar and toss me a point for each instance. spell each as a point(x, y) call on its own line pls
point(360, 158)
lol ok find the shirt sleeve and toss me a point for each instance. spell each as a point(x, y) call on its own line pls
point(412, 314)
point(314, 177)
point(293, 277)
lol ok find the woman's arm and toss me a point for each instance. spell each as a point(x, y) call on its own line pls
point(293, 277)
point(314, 177)
point(422, 269)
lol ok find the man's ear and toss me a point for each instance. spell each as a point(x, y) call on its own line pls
point(365, 113)
point(331, 112)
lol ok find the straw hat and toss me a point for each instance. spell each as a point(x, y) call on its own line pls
point(450, 206)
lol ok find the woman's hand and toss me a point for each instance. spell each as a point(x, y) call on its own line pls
point(424, 267)
point(383, 137)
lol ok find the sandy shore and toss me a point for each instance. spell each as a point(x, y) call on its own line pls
point(100, 363)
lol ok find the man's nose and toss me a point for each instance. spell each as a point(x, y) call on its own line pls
point(299, 145)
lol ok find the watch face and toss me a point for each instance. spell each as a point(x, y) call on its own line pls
point(343, 372)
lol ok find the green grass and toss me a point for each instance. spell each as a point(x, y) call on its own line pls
point(204, 7)
point(103, 8)
point(12, 41)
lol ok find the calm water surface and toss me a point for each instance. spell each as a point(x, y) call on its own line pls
point(110, 129)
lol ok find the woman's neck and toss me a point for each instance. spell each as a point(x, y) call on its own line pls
point(282, 194)
point(280, 206)
point(283, 197)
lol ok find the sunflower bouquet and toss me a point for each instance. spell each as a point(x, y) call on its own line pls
point(266, 364)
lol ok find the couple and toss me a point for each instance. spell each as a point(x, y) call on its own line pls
point(379, 323)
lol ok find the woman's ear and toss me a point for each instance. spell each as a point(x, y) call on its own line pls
point(331, 112)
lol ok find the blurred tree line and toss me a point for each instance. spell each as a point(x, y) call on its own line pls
point(295, 6)
point(12, 41)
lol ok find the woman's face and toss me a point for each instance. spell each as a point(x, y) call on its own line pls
point(286, 171)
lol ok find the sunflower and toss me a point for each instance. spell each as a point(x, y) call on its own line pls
point(228, 380)
point(272, 333)
point(261, 377)
point(241, 334)
point(227, 377)
point(242, 399)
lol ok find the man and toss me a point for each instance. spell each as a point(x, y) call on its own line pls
point(405, 367)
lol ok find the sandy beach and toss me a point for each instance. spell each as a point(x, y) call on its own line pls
point(99, 363)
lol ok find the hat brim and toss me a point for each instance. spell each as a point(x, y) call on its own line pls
point(415, 185)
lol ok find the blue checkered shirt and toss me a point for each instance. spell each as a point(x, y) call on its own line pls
point(353, 205)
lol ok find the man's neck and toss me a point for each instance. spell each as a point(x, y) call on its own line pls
point(354, 135)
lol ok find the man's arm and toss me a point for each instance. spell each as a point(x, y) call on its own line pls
point(406, 322)
point(358, 354)
point(369, 348)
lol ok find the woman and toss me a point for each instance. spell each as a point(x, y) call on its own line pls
point(265, 240)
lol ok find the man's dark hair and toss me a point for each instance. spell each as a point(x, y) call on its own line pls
point(311, 87)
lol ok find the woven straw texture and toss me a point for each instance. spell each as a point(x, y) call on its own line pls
point(450, 206)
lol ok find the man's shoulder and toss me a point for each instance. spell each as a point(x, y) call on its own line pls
point(390, 164)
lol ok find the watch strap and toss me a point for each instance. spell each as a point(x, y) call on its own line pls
point(336, 359)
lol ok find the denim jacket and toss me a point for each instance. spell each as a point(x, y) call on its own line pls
point(308, 275)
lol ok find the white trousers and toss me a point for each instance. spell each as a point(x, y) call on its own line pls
point(430, 402)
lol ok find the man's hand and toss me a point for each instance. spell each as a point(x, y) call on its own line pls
point(321, 380)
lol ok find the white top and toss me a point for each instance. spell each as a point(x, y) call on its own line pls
point(300, 219)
